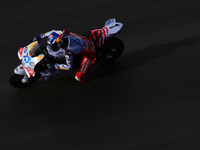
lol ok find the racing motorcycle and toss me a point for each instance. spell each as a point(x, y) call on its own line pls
point(35, 63)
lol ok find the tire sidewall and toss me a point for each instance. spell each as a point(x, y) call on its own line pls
point(114, 43)
point(15, 80)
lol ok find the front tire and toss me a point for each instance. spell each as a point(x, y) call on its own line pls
point(15, 80)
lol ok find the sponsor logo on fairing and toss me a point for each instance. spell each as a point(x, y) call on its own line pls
point(27, 59)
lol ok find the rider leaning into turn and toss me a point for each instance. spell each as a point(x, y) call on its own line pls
point(64, 45)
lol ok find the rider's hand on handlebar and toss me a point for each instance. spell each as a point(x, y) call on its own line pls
point(37, 38)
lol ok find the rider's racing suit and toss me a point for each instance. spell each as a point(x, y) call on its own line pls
point(73, 44)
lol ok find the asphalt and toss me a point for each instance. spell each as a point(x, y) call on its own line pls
point(148, 99)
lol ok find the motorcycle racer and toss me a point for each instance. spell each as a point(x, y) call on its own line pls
point(62, 45)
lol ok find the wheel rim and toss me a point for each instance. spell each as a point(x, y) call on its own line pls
point(114, 53)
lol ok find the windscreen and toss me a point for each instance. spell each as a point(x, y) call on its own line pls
point(35, 49)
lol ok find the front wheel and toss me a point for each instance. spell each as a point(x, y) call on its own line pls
point(16, 80)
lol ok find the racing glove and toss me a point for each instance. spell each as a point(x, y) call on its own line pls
point(69, 60)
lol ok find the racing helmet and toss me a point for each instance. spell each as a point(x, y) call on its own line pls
point(55, 40)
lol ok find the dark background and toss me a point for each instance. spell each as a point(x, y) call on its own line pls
point(148, 99)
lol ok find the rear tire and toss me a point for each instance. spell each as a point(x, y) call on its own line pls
point(16, 80)
point(113, 48)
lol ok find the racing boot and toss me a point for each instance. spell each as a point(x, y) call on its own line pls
point(86, 66)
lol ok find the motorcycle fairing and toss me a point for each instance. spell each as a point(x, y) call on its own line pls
point(28, 60)
point(20, 70)
point(20, 53)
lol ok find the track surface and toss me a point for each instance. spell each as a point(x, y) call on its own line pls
point(148, 99)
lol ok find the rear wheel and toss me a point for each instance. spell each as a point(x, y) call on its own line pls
point(16, 80)
point(113, 49)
